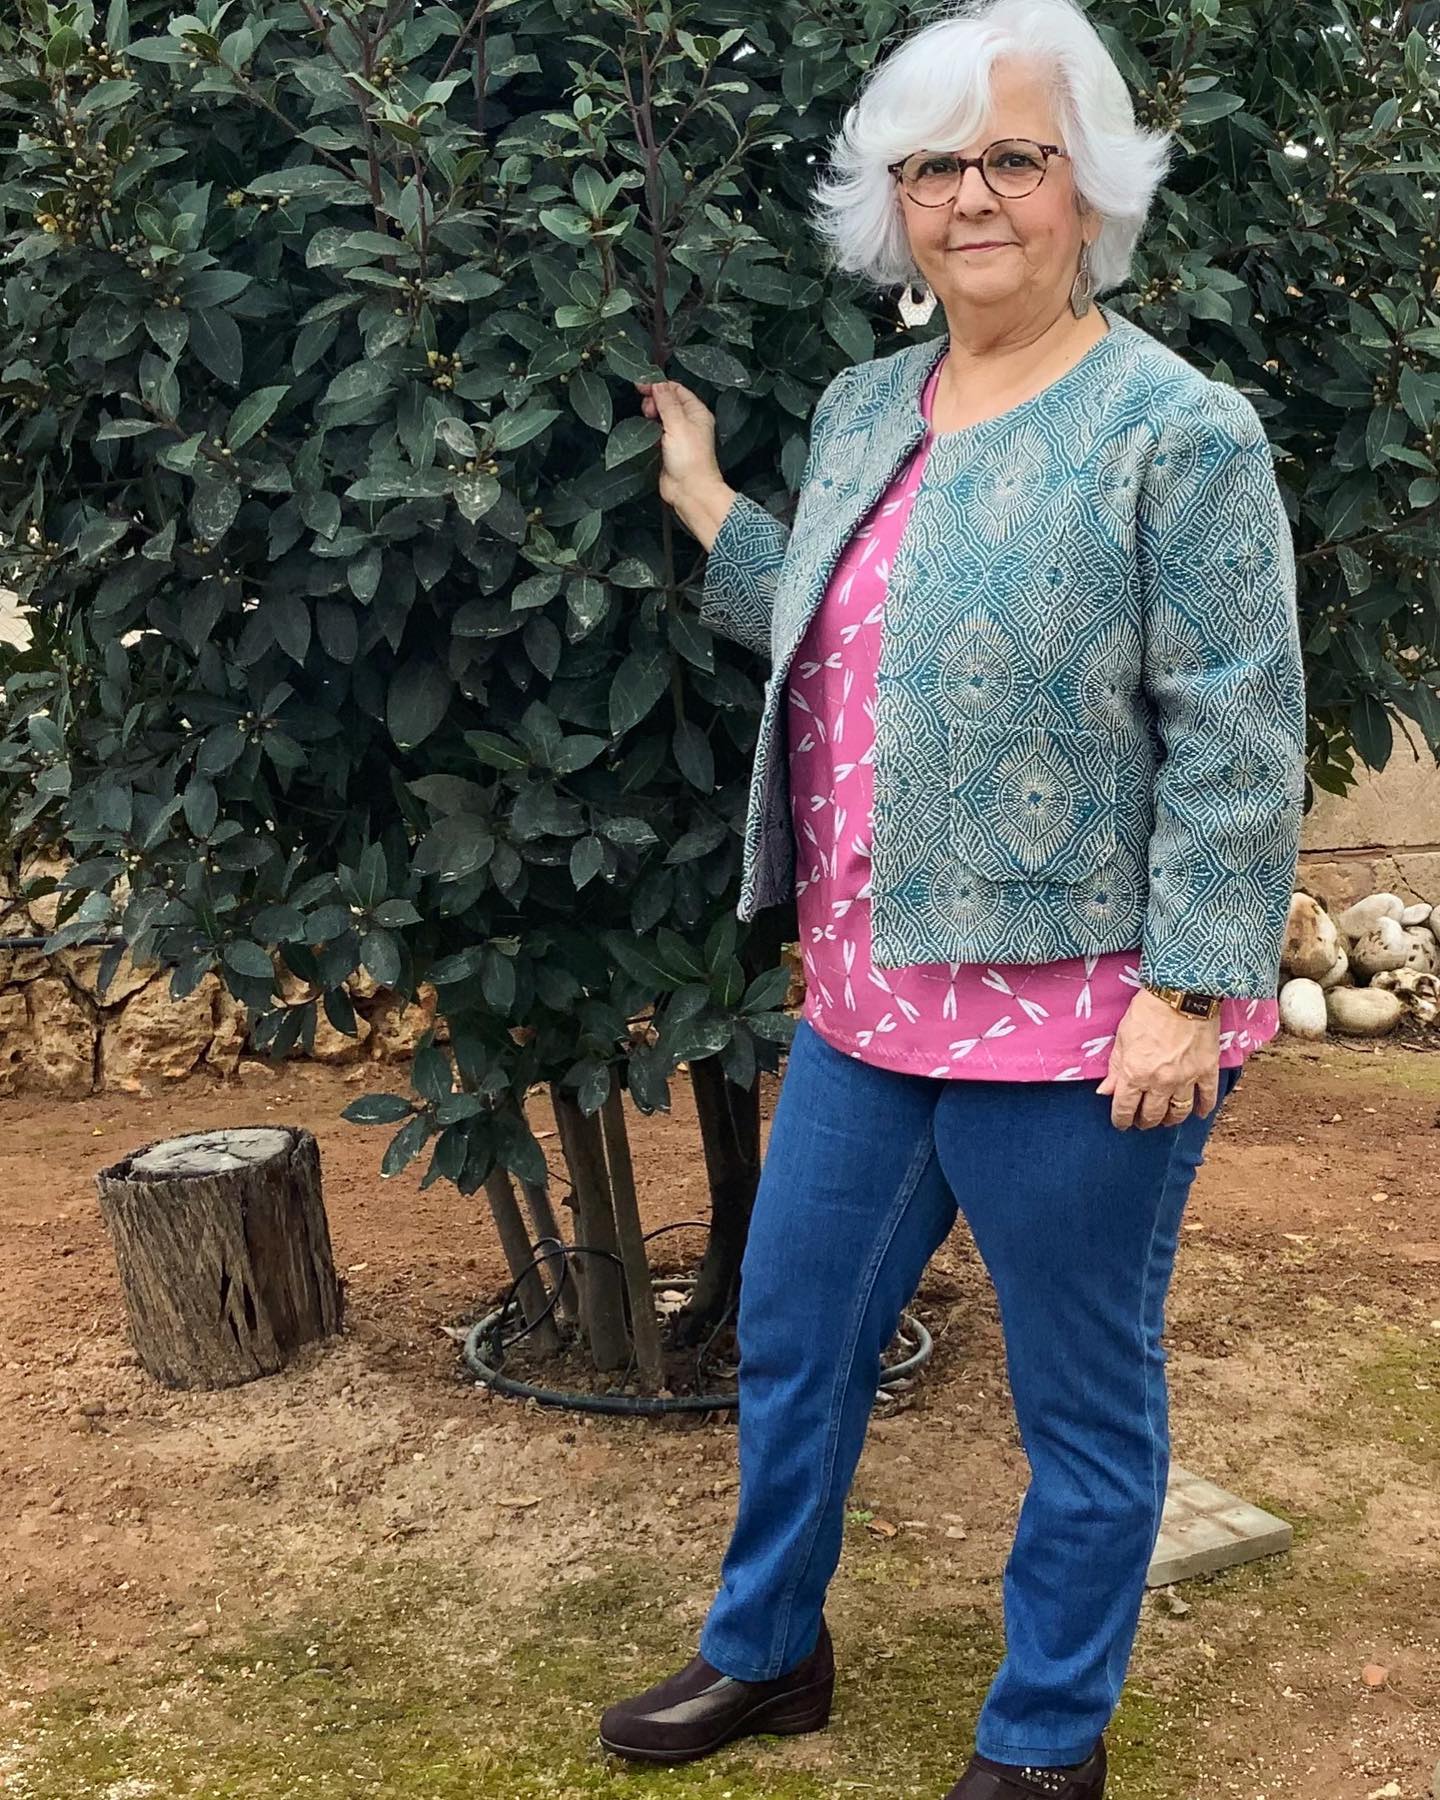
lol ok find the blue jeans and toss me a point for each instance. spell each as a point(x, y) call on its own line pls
point(1077, 1224)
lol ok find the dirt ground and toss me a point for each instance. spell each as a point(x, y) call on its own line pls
point(367, 1575)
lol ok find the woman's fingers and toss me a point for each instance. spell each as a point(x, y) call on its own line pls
point(671, 398)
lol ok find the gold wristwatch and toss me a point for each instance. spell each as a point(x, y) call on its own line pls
point(1186, 1000)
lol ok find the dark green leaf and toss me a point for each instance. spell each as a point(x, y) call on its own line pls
point(214, 506)
point(249, 959)
point(694, 757)
point(431, 1075)
point(631, 437)
point(380, 955)
point(512, 429)
point(642, 960)
point(850, 329)
point(336, 627)
point(201, 806)
point(766, 992)
point(309, 180)
point(253, 413)
point(215, 339)
point(590, 396)
point(639, 682)
point(406, 1145)
point(377, 1109)
point(713, 364)
point(64, 49)
point(587, 855)
point(417, 701)
point(1371, 728)
point(497, 751)
point(456, 847)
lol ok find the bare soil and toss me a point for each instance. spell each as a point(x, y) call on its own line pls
point(368, 1575)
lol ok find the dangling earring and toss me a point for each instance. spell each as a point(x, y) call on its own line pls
point(1082, 289)
point(915, 308)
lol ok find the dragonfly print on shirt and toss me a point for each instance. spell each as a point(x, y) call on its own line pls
point(1053, 1021)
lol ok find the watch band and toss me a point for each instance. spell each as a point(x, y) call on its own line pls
point(1186, 1001)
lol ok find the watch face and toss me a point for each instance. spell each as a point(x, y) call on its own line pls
point(1196, 1004)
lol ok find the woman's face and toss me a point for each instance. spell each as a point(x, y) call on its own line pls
point(1039, 235)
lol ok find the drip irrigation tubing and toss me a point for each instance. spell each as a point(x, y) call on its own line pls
point(489, 1332)
point(39, 943)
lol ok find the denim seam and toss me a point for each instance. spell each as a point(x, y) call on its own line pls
point(903, 1196)
point(1157, 1498)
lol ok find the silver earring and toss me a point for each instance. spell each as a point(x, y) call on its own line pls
point(915, 308)
point(1082, 289)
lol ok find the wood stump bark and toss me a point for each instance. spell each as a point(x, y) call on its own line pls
point(224, 1253)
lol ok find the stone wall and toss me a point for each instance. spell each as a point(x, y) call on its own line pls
point(59, 1035)
point(1382, 837)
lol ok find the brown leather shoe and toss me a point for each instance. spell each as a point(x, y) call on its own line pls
point(987, 1780)
point(698, 1709)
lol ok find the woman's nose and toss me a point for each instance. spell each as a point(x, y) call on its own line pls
point(973, 195)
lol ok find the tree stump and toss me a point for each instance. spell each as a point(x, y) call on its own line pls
point(224, 1253)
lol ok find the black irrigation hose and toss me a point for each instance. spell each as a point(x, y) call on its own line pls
point(491, 1327)
point(39, 943)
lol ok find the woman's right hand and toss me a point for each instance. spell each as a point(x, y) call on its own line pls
point(690, 478)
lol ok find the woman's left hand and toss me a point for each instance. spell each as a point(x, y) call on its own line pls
point(1163, 1066)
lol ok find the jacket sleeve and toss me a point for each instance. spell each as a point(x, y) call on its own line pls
point(737, 597)
point(1223, 671)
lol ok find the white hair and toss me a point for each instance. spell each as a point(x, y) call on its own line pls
point(933, 93)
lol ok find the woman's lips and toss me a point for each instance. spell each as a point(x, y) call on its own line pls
point(971, 248)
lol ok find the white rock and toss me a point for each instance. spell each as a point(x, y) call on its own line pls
point(1302, 1008)
point(1385, 946)
point(1435, 920)
point(1419, 914)
point(1420, 992)
point(1363, 1012)
point(1338, 972)
point(1424, 951)
point(1311, 940)
point(1356, 920)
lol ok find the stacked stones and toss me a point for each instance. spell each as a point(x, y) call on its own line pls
point(60, 1035)
point(1361, 971)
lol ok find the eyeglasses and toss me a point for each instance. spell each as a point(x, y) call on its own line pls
point(1010, 168)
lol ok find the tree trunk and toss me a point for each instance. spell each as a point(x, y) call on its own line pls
point(644, 1325)
point(224, 1253)
point(544, 1224)
point(602, 1293)
point(530, 1290)
point(730, 1133)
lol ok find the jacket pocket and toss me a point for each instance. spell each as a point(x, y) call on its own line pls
point(1032, 802)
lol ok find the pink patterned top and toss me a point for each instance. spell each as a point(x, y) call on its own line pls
point(1051, 1021)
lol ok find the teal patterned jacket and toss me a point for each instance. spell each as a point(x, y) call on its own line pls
point(1090, 711)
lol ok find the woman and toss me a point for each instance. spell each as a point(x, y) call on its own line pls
point(1037, 670)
